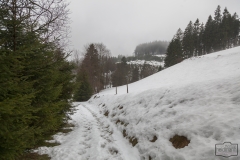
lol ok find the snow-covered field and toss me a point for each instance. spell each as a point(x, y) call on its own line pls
point(198, 98)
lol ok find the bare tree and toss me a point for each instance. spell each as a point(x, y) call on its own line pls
point(47, 18)
point(102, 50)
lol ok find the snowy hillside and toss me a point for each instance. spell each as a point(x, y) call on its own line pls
point(198, 98)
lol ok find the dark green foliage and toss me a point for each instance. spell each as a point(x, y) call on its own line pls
point(174, 51)
point(84, 90)
point(92, 67)
point(208, 35)
point(216, 33)
point(196, 38)
point(188, 41)
point(219, 33)
point(35, 84)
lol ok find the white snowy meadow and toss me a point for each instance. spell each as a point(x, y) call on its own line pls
point(198, 98)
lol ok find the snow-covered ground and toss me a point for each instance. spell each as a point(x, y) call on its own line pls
point(160, 55)
point(93, 138)
point(198, 98)
point(141, 62)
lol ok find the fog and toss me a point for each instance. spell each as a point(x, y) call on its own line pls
point(123, 24)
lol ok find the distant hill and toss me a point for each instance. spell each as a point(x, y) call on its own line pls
point(151, 48)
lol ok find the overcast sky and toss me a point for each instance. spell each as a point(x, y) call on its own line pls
point(123, 24)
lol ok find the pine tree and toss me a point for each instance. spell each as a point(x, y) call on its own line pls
point(201, 49)
point(216, 31)
point(188, 41)
point(174, 53)
point(225, 30)
point(235, 30)
point(91, 65)
point(208, 35)
point(196, 40)
point(36, 81)
point(84, 90)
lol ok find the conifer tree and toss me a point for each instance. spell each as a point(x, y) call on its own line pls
point(174, 53)
point(225, 29)
point(196, 40)
point(208, 35)
point(235, 31)
point(216, 31)
point(91, 65)
point(201, 49)
point(84, 90)
point(188, 41)
point(35, 80)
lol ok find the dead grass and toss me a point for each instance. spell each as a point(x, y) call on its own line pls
point(154, 139)
point(179, 141)
point(106, 113)
point(132, 140)
point(121, 122)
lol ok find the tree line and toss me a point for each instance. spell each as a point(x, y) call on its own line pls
point(94, 71)
point(129, 73)
point(219, 33)
point(98, 70)
point(36, 80)
point(151, 48)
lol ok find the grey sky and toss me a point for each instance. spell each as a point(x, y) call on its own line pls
point(123, 24)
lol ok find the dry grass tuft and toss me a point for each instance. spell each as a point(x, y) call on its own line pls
point(179, 141)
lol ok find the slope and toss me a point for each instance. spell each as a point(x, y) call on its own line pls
point(198, 98)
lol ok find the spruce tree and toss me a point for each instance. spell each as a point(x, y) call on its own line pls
point(174, 53)
point(216, 31)
point(35, 80)
point(84, 90)
point(196, 39)
point(188, 41)
point(201, 49)
point(208, 35)
point(225, 30)
point(91, 65)
point(235, 30)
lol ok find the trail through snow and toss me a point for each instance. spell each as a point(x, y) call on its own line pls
point(94, 138)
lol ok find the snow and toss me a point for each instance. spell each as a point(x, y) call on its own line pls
point(198, 98)
point(93, 138)
point(160, 55)
point(141, 62)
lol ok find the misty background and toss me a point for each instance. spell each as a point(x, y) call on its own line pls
point(122, 25)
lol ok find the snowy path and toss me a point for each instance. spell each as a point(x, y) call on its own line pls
point(94, 138)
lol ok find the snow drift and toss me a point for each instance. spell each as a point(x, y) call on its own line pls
point(198, 98)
